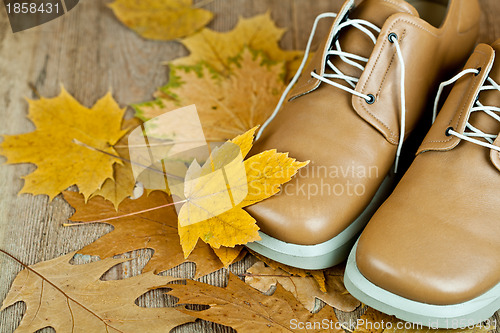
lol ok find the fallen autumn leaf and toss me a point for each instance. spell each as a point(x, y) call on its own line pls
point(248, 311)
point(155, 229)
point(72, 297)
point(161, 19)
point(305, 289)
point(61, 123)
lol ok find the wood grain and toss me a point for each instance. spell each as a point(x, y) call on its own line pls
point(90, 52)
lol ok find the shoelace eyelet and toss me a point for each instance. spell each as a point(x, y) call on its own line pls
point(478, 71)
point(447, 132)
point(392, 37)
point(371, 99)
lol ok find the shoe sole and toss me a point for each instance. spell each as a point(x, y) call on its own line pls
point(454, 316)
point(328, 253)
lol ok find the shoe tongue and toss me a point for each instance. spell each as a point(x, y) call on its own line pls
point(481, 120)
point(378, 11)
point(355, 41)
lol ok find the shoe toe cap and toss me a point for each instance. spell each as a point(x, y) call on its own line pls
point(308, 211)
point(422, 258)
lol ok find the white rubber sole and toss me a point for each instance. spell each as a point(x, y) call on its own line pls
point(453, 316)
point(326, 254)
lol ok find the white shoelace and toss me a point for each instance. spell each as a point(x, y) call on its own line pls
point(348, 58)
point(478, 107)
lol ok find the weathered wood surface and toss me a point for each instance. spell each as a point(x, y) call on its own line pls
point(90, 52)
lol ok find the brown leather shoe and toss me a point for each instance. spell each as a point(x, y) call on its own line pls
point(431, 253)
point(349, 113)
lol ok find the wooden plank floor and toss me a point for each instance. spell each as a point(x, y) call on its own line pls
point(90, 52)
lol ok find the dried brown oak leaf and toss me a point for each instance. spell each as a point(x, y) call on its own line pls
point(318, 275)
point(305, 289)
point(156, 229)
point(247, 310)
point(72, 298)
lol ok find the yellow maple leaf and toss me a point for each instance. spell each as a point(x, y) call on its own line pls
point(205, 214)
point(161, 19)
point(229, 255)
point(61, 123)
point(227, 106)
point(122, 184)
point(218, 48)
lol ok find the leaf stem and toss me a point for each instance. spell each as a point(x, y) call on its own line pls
point(265, 275)
point(34, 90)
point(170, 143)
point(125, 215)
point(75, 141)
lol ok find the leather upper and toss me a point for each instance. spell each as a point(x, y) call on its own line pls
point(435, 240)
point(352, 144)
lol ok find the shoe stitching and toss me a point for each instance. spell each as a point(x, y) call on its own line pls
point(403, 35)
point(471, 90)
point(459, 117)
point(309, 81)
point(363, 88)
point(380, 89)
point(300, 94)
point(391, 139)
point(497, 44)
point(385, 42)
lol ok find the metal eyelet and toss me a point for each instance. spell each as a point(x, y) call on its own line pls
point(371, 99)
point(447, 132)
point(392, 37)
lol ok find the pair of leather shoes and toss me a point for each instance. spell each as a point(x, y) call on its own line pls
point(430, 252)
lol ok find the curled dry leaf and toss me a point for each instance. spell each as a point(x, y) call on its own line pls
point(155, 229)
point(227, 106)
point(61, 123)
point(261, 178)
point(216, 49)
point(248, 310)
point(305, 289)
point(318, 275)
point(72, 298)
point(161, 19)
point(374, 321)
